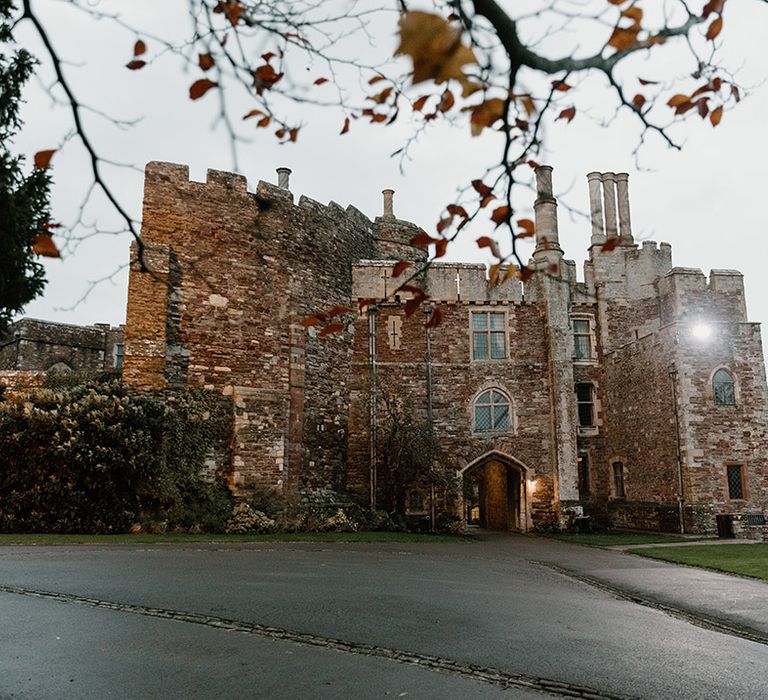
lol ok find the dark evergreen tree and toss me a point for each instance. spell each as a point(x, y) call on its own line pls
point(24, 196)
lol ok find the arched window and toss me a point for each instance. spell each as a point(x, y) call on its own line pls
point(492, 411)
point(723, 388)
point(59, 368)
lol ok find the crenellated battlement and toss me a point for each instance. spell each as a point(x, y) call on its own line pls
point(444, 282)
point(687, 293)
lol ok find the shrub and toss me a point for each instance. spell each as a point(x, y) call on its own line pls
point(96, 458)
point(450, 524)
point(246, 521)
point(340, 522)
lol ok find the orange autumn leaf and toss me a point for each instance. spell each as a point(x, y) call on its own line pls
point(200, 87)
point(434, 46)
point(485, 114)
point(205, 61)
point(43, 158)
point(624, 38)
point(501, 215)
point(715, 28)
point(529, 228)
point(399, 268)
point(330, 328)
point(44, 246)
point(435, 318)
point(716, 115)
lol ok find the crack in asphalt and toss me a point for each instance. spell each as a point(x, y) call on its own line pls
point(486, 674)
point(698, 619)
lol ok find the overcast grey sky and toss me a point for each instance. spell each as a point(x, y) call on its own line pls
point(708, 201)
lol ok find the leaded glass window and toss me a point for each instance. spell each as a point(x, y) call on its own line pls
point(723, 388)
point(735, 473)
point(492, 411)
point(582, 339)
point(489, 335)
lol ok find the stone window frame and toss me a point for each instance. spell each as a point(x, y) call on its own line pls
point(584, 316)
point(472, 331)
point(614, 491)
point(511, 429)
point(744, 481)
point(711, 387)
point(588, 429)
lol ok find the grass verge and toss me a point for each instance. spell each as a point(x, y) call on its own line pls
point(48, 540)
point(744, 559)
point(607, 539)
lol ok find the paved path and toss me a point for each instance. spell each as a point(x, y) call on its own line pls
point(430, 620)
point(693, 543)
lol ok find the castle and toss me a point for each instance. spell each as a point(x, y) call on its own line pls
point(636, 396)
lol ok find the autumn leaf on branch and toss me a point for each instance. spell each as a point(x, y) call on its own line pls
point(486, 114)
point(435, 47)
point(200, 87)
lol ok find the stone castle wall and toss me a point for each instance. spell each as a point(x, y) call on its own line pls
point(35, 345)
point(218, 294)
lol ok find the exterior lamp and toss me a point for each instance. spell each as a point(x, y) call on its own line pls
point(701, 331)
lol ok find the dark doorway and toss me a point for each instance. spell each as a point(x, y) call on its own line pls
point(493, 496)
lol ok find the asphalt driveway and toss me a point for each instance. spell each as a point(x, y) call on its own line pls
point(514, 616)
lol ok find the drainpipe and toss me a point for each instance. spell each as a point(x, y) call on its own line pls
point(372, 311)
point(428, 357)
point(680, 481)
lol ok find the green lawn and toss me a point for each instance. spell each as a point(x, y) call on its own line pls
point(744, 559)
point(606, 539)
point(177, 538)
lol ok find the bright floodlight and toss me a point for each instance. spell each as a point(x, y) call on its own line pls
point(702, 331)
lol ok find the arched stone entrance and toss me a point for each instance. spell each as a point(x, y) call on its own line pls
point(495, 493)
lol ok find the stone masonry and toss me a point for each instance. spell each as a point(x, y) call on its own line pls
point(34, 345)
point(559, 397)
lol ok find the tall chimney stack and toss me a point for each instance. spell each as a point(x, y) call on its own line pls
point(545, 208)
point(284, 178)
point(389, 210)
point(622, 196)
point(609, 199)
point(595, 181)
